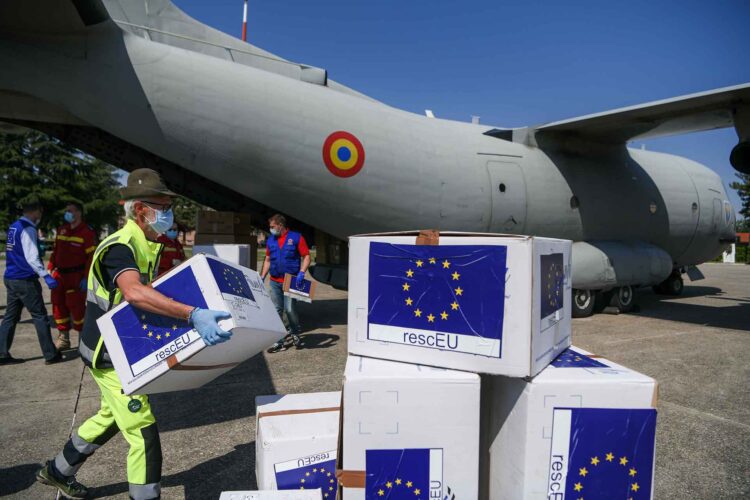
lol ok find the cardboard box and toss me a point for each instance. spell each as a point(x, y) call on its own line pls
point(296, 439)
point(271, 495)
point(305, 293)
point(484, 303)
point(584, 425)
point(236, 254)
point(408, 431)
point(210, 221)
point(152, 353)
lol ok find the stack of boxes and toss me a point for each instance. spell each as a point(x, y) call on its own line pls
point(228, 235)
point(461, 382)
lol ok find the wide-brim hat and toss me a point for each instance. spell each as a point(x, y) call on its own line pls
point(143, 183)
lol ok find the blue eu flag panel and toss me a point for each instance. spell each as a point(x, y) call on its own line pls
point(552, 277)
point(609, 452)
point(447, 297)
point(572, 359)
point(230, 280)
point(403, 474)
point(308, 477)
point(143, 333)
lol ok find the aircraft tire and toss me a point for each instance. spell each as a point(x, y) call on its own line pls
point(671, 286)
point(624, 298)
point(583, 303)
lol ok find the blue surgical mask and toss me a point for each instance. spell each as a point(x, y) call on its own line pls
point(163, 220)
point(69, 217)
point(172, 234)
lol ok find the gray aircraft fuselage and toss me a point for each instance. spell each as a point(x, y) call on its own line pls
point(261, 134)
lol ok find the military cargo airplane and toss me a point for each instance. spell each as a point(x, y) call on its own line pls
point(140, 83)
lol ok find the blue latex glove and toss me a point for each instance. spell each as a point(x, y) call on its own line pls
point(51, 282)
point(300, 278)
point(206, 323)
point(83, 285)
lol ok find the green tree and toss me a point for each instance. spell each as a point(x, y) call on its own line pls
point(36, 166)
point(186, 212)
point(743, 190)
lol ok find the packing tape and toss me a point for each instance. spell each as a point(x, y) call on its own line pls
point(173, 364)
point(428, 237)
point(297, 412)
point(351, 478)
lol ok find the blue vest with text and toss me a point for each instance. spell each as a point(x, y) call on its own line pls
point(16, 266)
point(285, 257)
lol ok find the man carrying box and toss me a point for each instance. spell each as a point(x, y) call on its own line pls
point(284, 249)
point(122, 267)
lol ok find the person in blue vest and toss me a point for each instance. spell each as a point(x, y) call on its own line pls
point(23, 269)
point(286, 253)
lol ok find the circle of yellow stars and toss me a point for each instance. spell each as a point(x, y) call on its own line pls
point(595, 462)
point(151, 334)
point(398, 482)
point(457, 290)
point(232, 279)
point(309, 476)
point(554, 276)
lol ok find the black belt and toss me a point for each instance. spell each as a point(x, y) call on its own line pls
point(69, 270)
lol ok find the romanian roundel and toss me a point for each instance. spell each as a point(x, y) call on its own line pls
point(343, 154)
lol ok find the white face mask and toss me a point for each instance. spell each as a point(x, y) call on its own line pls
point(162, 220)
point(275, 231)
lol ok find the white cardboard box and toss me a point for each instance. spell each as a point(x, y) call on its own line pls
point(153, 353)
point(583, 428)
point(484, 303)
point(409, 430)
point(236, 254)
point(296, 440)
point(271, 495)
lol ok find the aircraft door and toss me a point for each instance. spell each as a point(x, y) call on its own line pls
point(508, 190)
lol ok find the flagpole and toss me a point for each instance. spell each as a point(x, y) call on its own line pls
point(244, 23)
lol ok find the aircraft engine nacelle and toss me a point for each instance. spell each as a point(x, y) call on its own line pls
point(602, 265)
point(740, 157)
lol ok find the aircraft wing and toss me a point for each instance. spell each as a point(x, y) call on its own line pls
point(679, 115)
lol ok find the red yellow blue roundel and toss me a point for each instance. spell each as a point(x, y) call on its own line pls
point(343, 154)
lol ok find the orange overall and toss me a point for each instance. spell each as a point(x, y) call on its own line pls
point(171, 256)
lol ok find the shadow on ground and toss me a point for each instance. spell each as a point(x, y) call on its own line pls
point(321, 314)
point(18, 478)
point(671, 308)
point(209, 404)
point(205, 480)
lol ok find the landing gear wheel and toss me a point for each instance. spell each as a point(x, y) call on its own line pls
point(583, 303)
point(602, 300)
point(624, 298)
point(671, 286)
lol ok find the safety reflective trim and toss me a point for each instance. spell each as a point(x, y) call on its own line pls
point(85, 352)
point(144, 491)
point(78, 322)
point(74, 239)
point(61, 321)
point(82, 445)
point(91, 296)
point(90, 249)
point(71, 291)
point(64, 467)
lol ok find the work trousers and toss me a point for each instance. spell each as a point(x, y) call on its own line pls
point(283, 305)
point(25, 293)
point(69, 301)
point(130, 415)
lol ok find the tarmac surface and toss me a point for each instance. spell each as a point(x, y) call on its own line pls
point(697, 346)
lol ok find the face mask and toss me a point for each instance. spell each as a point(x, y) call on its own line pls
point(172, 234)
point(162, 220)
point(275, 231)
point(68, 216)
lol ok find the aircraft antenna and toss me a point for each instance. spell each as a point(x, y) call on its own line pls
point(244, 22)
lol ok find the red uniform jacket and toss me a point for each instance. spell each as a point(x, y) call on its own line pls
point(73, 249)
point(171, 256)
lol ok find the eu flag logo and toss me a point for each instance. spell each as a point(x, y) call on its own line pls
point(607, 453)
point(230, 279)
point(449, 297)
point(573, 359)
point(403, 474)
point(308, 477)
point(552, 283)
point(143, 333)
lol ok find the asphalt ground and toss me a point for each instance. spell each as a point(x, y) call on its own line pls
point(697, 346)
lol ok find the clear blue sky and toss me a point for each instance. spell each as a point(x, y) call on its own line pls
point(512, 63)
